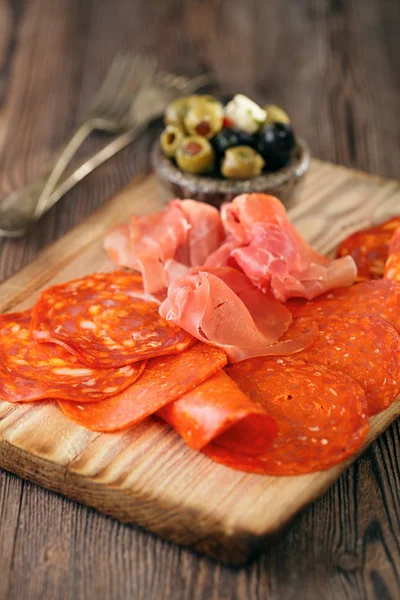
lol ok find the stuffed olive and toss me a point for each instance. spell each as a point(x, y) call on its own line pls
point(275, 115)
point(204, 117)
point(237, 139)
point(195, 155)
point(175, 112)
point(241, 162)
point(170, 139)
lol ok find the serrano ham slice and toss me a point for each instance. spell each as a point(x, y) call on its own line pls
point(164, 380)
point(31, 371)
point(106, 320)
point(269, 250)
point(320, 415)
point(222, 308)
point(185, 232)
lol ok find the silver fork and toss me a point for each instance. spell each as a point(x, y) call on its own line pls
point(16, 210)
point(110, 112)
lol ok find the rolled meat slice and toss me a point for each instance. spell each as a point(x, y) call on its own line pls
point(320, 415)
point(215, 407)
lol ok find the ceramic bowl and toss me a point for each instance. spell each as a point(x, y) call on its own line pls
point(283, 184)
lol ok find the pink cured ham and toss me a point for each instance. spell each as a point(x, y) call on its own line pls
point(222, 308)
point(268, 249)
point(166, 243)
point(205, 233)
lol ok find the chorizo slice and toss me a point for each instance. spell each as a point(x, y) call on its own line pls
point(392, 266)
point(369, 248)
point(31, 371)
point(106, 320)
point(164, 379)
point(365, 348)
point(380, 298)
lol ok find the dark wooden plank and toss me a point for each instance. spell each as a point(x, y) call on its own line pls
point(335, 66)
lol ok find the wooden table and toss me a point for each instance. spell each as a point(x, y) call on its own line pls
point(333, 65)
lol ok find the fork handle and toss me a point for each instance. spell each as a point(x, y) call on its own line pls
point(65, 156)
point(82, 168)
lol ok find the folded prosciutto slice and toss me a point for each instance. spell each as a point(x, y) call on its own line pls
point(222, 308)
point(171, 241)
point(264, 244)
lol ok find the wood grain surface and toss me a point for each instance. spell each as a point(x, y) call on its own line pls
point(148, 476)
point(334, 65)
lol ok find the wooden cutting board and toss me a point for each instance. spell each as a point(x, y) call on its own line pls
point(148, 475)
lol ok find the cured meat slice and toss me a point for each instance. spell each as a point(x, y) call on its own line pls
point(265, 245)
point(205, 232)
point(392, 265)
point(31, 371)
point(106, 320)
point(164, 380)
point(369, 248)
point(216, 407)
point(379, 298)
point(225, 310)
point(185, 232)
point(320, 414)
point(365, 348)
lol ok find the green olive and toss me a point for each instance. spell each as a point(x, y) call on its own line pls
point(205, 116)
point(175, 111)
point(170, 140)
point(195, 155)
point(275, 115)
point(241, 162)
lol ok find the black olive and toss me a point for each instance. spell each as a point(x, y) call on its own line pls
point(275, 144)
point(228, 138)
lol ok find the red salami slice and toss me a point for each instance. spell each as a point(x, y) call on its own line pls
point(218, 408)
point(31, 371)
point(320, 414)
point(372, 298)
point(365, 348)
point(164, 380)
point(369, 248)
point(392, 266)
point(106, 320)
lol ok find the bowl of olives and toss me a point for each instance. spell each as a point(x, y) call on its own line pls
point(213, 152)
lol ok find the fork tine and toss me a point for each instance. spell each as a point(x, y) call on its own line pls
point(113, 72)
point(139, 76)
point(133, 77)
point(137, 71)
point(114, 77)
